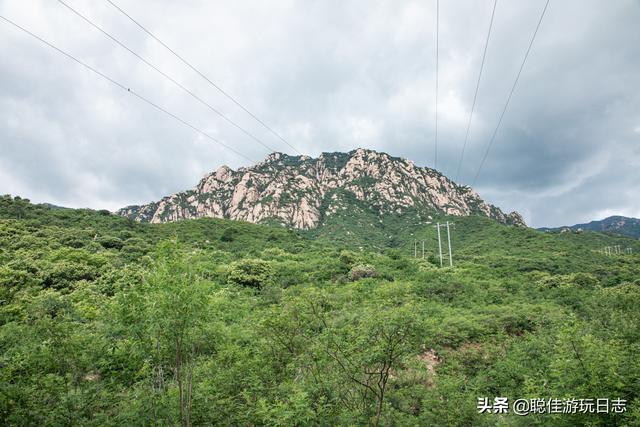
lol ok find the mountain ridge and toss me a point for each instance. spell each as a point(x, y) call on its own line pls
point(618, 224)
point(301, 191)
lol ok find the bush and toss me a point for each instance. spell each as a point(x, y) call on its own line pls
point(63, 274)
point(110, 242)
point(126, 234)
point(228, 235)
point(393, 254)
point(13, 280)
point(134, 248)
point(362, 271)
point(74, 241)
point(253, 273)
point(347, 257)
point(585, 280)
point(274, 253)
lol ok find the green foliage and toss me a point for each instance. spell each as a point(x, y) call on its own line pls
point(110, 242)
point(228, 235)
point(348, 257)
point(104, 321)
point(253, 273)
point(362, 271)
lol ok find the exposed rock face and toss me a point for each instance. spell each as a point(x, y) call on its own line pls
point(298, 191)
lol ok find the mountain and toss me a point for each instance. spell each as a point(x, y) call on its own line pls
point(613, 224)
point(302, 192)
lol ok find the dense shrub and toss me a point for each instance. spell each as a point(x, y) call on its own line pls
point(110, 242)
point(179, 327)
point(348, 258)
point(253, 273)
point(228, 235)
point(362, 271)
point(63, 274)
point(133, 248)
point(585, 280)
point(74, 241)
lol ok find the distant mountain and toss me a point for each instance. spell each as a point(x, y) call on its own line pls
point(302, 192)
point(51, 206)
point(613, 224)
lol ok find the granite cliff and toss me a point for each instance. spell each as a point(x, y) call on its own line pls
point(300, 191)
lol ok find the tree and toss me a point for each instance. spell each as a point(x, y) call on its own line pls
point(15, 207)
point(253, 273)
point(363, 349)
point(176, 301)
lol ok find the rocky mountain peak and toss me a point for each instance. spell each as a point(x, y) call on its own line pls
point(223, 173)
point(300, 191)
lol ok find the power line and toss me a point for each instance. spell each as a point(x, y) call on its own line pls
point(513, 88)
point(165, 75)
point(188, 64)
point(475, 95)
point(435, 161)
point(125, 88)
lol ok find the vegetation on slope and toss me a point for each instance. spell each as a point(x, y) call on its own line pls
point(104, 321)
point(613, 224)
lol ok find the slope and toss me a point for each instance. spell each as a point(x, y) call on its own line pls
point(303, 192)
point(105, 320)
point(613, 224)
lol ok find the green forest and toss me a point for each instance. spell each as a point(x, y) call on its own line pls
point(106, 321)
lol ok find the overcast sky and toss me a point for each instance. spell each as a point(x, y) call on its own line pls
point(328, 76)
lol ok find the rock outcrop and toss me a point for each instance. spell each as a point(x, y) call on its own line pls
point(298, 191)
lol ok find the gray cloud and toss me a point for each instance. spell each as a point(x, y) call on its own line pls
point(331, 75)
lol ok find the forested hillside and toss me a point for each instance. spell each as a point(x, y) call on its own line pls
point(613, 224)
point(106, 321)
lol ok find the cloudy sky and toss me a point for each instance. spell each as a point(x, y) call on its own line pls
point(328, 76)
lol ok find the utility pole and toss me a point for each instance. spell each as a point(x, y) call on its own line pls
point(415, 249)
point(449, 242)
point(423, 249)
point(448, 225)
point(439, 243)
